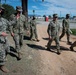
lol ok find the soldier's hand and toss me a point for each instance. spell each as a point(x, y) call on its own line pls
point(28, 32)
point(12, 34)
point(4, 34)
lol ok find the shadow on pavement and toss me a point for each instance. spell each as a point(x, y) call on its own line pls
point(36, 46)
point(26, 38)
point(13, 53)
point(45, 38)
point(13, 49)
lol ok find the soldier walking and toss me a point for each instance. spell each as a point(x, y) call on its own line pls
point(66, 28)
point(18, 26)
point(4, 44)
point(73, 45)
point(53, 32)
point(33, 30)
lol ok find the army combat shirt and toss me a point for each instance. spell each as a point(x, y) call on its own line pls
point(18, 24)
point(53, 28)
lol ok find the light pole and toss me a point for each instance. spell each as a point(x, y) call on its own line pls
point(33, 12)
point(60, 14)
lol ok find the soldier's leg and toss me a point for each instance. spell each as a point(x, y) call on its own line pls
point(63, 33)
point(32, 33)
point(49, 44)
point(73, 45)
point(57, 44)
point(7, 46)
point(16, 40)
point(17, 45)
point(68, 37)
point(21, 40)
point(36, 36)
point(2, 58)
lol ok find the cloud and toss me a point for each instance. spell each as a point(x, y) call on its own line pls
point(35, 7)
point(60, 6)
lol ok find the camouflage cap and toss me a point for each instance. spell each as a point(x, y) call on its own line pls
point(55, 15)
point(18, 8)
point(67, 14)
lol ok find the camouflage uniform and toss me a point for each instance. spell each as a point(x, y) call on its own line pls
point(4, 44)
point(53, 31)
point(18, 26)
point(73, 45)
point(33, 29)
point(66, 29)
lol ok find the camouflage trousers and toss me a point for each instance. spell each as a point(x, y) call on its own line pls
point(74, 44)
point(67, 33)
point(18, 39)
point(56, 39)
point(4, 47)
point(33, 33)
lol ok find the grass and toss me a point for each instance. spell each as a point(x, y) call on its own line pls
point(73, 31)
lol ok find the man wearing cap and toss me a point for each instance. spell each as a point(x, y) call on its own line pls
point(33, 30)
point(66, 28)
point(18, 26)
point(73, 45)
point(53, 32)
point(4, 45)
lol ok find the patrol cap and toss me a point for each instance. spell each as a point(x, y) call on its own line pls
point(18, 8)
point(55, 15)
point(67, 14)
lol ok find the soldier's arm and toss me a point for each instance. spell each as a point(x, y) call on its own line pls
point(63, 24)
point(10, 26)
point(59, 27)
point(49, 29)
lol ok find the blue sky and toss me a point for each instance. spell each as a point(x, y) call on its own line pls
point(48, 7)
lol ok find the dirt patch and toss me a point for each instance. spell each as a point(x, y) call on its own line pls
point(53, 64)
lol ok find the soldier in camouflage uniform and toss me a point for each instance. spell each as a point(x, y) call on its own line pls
point(18, 26)
point(4, 45)
point(73, 45)
point(53, 32)
point(66, 28)
point(33, 30)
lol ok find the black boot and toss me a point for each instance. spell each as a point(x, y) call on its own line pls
point(58, 52)
point(71, 48)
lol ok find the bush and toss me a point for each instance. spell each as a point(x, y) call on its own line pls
point(73, 31)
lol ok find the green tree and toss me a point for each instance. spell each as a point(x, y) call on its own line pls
point(8, 10)
point(24, 6)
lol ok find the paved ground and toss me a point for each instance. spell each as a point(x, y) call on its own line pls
point(30, 63)
point(38, 61)
point(53, 64)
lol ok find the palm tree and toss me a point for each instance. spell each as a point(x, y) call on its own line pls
point(25, 7)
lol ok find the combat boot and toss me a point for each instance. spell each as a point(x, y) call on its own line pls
point(58, 52)
point(71, 48)
point(48, 49)
point(69, 43)
point(19, 55)
point(4, 69)
point(37, 40)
